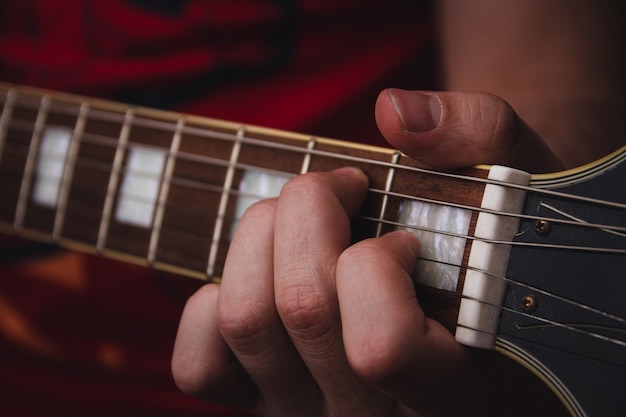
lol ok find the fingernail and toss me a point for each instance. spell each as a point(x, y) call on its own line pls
point(418, 112)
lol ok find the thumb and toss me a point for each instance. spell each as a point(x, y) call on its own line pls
point(459, 129)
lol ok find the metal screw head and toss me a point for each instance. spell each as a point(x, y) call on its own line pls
point(529, 304)
point(543, 227)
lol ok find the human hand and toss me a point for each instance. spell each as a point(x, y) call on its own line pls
point(461, 129)
point(306, 324)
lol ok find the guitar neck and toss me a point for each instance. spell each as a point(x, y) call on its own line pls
point(188, 172)
point(166, 190)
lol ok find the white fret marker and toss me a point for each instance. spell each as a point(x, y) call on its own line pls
point(55, 144)
point(439, 254)
point(256, 186)
point(140, 186)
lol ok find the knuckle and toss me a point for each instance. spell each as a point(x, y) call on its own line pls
point(305, 311)
point(260, 211)
point(366, 255)
point(505, 120)
point(500, 120)
point(360, 253)
point(375, 361)
point(243, 324)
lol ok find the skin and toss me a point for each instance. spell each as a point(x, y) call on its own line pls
point(302, 323)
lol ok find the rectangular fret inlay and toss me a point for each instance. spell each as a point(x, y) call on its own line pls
point(55, 145)
point(256, 186)
point(140, 186)
point(439, 253)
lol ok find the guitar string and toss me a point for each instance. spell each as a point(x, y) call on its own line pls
point(170, 127)
point(453, 176)
point(533, 289)
point(552, 323)
point(397, 224)
point(202, 132)
point(192, 184)
point(246, 167)
point(104, 141)
point(578, 328)
point(197, 185)
point(548, 294)
point(218, 189)
point(617, 251)
point(111, 142)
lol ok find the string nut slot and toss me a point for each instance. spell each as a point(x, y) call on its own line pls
point(543, 227)
point(529, 304)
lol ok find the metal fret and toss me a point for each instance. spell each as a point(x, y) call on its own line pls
point(306, 162)
point(164, 191)
point(29, 170)
point(388, 184)
point(228, 182)
point(68, 171)
point(114, 180)
point(7, 111)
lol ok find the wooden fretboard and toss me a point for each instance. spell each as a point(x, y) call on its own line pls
point(198, 183)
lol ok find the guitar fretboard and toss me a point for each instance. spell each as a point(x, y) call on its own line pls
point(164, 189)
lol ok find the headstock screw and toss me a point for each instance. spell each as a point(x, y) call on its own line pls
point(529, 304)
point(543, 227)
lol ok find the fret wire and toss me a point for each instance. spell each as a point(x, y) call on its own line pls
point(388, 184)
point(29, 167)
point(203, 132)
point(306, 161)
point(5, 118)
point(164, 191)
point(68, 171)
point(228, 182)
point(113, 180)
